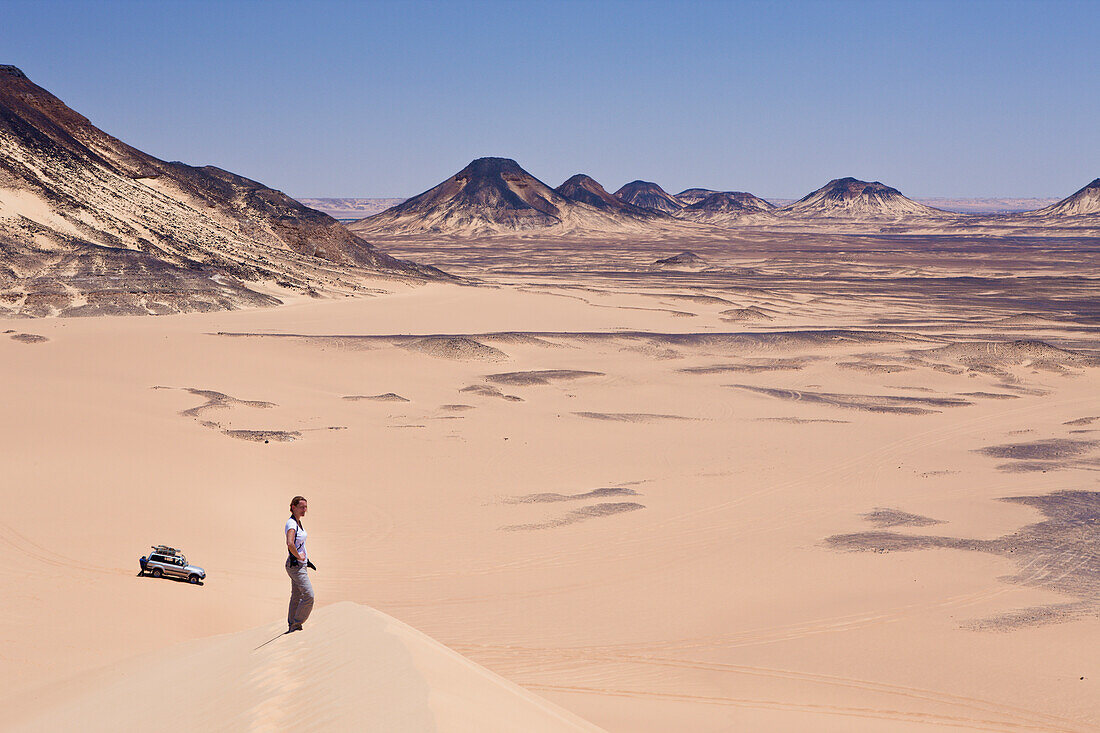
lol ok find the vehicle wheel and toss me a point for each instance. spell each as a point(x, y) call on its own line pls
point(157, 572)
point(193, 579)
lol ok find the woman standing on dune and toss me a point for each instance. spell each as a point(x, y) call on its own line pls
point(301, 590)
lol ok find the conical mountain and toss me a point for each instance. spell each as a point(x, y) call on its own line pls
point(648, 195)
point(586, 190)
point(1084, 202)
point(853, 198)
point(489, 195)
point(495, 196)
point(90, 225)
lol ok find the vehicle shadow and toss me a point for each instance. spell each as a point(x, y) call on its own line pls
point(185, 581)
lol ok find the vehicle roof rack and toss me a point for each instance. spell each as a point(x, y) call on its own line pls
point(165, 550)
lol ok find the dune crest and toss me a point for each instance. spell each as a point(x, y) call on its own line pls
point(352, 668)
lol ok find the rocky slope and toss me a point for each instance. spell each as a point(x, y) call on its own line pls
point(495, 196)
point(91, 226)
point(855, 199)
point(1085, 202)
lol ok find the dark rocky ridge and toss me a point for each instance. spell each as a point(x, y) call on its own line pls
point(90, 225)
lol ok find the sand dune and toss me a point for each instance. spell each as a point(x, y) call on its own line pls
point(352, 668)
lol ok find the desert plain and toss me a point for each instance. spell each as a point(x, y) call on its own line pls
point(828, 482)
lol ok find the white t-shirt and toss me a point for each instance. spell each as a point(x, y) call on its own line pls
point(299, 538)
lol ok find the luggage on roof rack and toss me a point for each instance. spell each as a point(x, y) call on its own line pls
point(165, 550)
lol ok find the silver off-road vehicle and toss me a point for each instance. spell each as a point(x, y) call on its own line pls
point(170, 562)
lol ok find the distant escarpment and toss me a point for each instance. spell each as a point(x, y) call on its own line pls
point(495, 196)
point(91, 226)
point(852, 198)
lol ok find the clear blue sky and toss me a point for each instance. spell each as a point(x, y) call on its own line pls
point(961, 98)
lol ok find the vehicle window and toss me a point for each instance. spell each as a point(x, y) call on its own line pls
point(156, 558)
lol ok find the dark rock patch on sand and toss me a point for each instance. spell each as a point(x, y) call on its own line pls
point(1042, 450)
point(387, 397)
point(28, 338)
point(264, 436)
point(579, 515)
point(870, 403)
point(630, 416)
point(457, 348)
point(547, 498)
point(487, 390)
point(749, 366)
point(801, 420)
point(217, 401)
point(872, 367)
point(989, 357)
point(885, 517)
point(708, 299)
point(739, 315)
point(1051, 454)
point(1060, 553)
point(541, 376)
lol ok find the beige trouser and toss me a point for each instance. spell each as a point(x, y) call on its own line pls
point(301, 595)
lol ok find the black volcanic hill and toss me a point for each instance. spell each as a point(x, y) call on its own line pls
point(90, 225)
point(690, 196)
point(496, 195)
point(586, 190)
point(852, 198)
point(732, 202)
point(685, 261)
point(648, 196)
point(1084, 202)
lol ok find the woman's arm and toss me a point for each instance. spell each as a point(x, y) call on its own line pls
point(290, 533)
